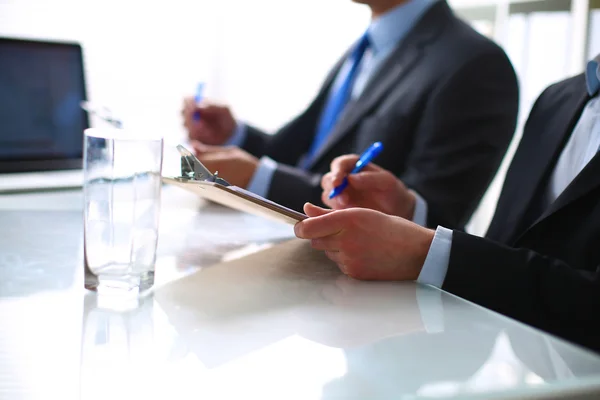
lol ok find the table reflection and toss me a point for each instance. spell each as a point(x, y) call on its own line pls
point(377, 338)
point(280, 324)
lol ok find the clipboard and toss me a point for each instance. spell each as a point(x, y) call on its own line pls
point(196, 178)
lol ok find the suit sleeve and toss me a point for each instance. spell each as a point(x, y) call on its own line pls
point(538, 290)
point(256, 141)
point(289, 185)
point(462, 137)
point(290, 142)
point(293, 187)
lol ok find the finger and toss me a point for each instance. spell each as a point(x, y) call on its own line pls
point(188, 103)
point(325, 244)
point(201, 148)
point(344, 164)
point(339, 202)
point(313, 211)
point(343, 200)
point(326, 181)
point(337, 179)
point(320, 226)
point(330, 181)
point(212, 162)
point(372, 180)
point(325, 199)
point(189, 108)
point(209, 110)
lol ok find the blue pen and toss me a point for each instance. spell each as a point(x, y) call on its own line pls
point(365, 158)
point(198, 98)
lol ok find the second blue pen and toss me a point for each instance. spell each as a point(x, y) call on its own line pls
point(198, 98)
point(364, 159)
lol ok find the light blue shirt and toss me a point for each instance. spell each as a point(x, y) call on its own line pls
point(582, 146)
point(385, 33)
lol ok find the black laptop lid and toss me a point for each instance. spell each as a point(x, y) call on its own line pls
point(41, 121)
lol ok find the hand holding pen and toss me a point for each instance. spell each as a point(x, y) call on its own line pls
point(367, 186)
point(365, 158)
point(206, 122)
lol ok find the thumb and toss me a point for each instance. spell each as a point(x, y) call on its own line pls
point(313, 211)
point(372, 180)
point(201, 148)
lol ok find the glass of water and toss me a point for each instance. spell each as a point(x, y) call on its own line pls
point(122, 182)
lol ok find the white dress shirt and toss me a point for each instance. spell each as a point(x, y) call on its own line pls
point(582, 146)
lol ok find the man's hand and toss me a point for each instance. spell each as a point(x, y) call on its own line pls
point(216, 124)
point(233, 164)
point(367, 244)
point(373, 188)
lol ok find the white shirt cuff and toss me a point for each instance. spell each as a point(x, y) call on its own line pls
point(436, 264)
point(420, 215)
point(239, 135)
point(261, 180)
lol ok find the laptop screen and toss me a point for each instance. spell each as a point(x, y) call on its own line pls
point(41, 121)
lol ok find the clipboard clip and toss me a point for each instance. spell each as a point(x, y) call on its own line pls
point(193, 169)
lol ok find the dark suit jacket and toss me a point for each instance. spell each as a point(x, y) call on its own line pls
point(444, 104)
point(540, 264)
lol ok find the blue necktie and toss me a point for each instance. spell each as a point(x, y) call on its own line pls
point(337, 100)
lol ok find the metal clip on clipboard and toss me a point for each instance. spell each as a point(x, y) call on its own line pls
point(193, 169)
point(195, 177)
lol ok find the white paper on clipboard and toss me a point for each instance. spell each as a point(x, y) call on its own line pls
point(239, 199)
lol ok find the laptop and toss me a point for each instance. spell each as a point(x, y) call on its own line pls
point(42, 84)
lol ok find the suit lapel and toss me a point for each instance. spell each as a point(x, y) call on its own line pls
point(587, 180)
point(583, 183)
point(535, 165)
point(396, 67)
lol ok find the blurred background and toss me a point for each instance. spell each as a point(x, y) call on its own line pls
point(267, 58)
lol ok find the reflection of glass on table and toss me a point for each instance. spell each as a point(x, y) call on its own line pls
point(117, 353)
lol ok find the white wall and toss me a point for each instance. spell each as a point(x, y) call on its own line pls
point(264, 57)
point(540, 48)
point(277, 53)
point(139, 59)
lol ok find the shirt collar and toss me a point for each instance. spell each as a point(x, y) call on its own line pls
point(592, 76)
point(386, 31)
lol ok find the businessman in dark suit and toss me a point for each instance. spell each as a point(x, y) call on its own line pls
point(540, 261)
point(439, 96)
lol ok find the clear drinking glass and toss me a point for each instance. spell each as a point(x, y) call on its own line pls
point(122, 182)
